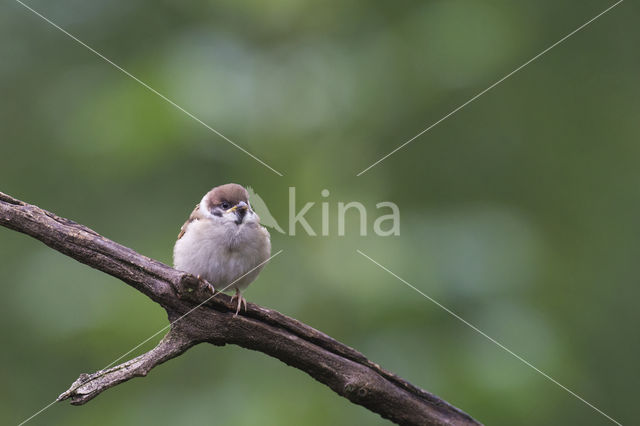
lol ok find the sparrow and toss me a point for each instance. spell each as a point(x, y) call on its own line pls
point(223, 241)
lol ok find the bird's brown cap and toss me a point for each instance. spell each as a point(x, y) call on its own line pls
point(231, 193)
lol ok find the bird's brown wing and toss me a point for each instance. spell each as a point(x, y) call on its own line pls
point(195, 215)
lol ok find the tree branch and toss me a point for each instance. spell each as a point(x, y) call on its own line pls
point(88, 386)
point(343, 369)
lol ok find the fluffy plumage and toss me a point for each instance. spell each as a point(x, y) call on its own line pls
point(223, 240)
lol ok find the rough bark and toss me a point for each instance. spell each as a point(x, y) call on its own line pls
point(196, 315)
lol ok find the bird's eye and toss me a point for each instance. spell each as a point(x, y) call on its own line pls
point(225, 205)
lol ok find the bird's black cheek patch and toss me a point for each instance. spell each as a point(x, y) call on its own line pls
point(217, 213)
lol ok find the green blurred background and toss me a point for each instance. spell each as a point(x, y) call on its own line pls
point(519, 213)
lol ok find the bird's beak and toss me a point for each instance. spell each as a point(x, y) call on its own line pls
point(240, 206)
point(240, 210)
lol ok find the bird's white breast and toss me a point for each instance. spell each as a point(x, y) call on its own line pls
point(222, 253)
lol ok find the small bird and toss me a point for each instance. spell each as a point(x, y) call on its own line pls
point(223, 241)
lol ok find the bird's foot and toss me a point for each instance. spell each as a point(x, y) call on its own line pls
point(207, 284)
point(241, 301)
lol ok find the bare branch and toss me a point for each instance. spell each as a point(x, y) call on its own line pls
point(343, 369)
point(88, 386)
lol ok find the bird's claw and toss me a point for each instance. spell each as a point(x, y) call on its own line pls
point(207, 284)
point(241, 301)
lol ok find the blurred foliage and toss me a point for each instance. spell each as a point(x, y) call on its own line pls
point(519, 213)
